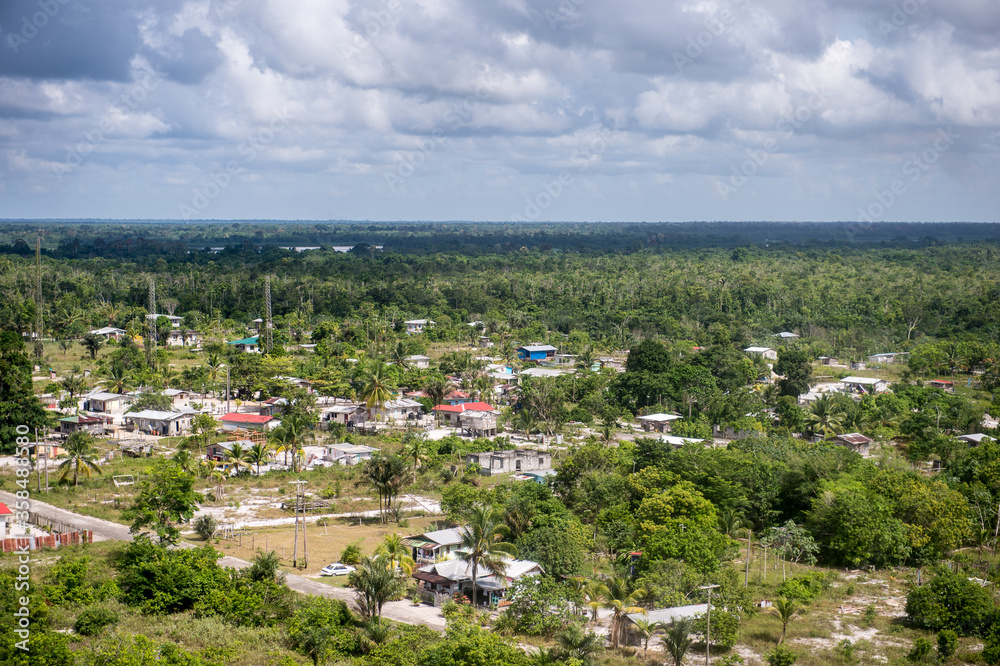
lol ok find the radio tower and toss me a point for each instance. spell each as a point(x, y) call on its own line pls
point(151, 321)
point(268, 336)
point(38, 288)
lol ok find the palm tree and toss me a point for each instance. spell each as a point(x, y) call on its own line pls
point(399, 354)
point(385, 475)
point(375, 583)
point(677, 639)
point(825, 416)
point(483, 545)
point(575, 643)
point(646, 629)
point(378, 388)
point(608, 432)
point(785, 609)
point(415, 448)
point(214, 366)
point(93, 343)
point(74, 385)
point(259, 453)
point(621, 601)
point(118, 377)
point(398, 553)
point(82, 455)
point(183, 459)
point(526, 422)
point(436, 389)
point(585, 360)
point(594, 591)
point(292, 435)
point(220, 480)
point(238, 455)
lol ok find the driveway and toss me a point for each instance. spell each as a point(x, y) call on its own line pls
point(105, 530)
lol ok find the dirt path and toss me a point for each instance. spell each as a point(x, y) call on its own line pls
point(105, 530)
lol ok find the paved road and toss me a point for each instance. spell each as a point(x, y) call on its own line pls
point(105, 530)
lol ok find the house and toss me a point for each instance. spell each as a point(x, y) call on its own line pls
point(6, 516)
point(541, 476)
point(247, 345)
point(785, 335)
point(418, 325)
point(238, 421)
point(431, 547)
point(862, 385)
point(156, 422)
point(99, 401)
point(506, 462)
point(178, 396)
point(484, 342)
point(109, 333)
point(175, 321)
point(186, 338)
point(296, 382)
point(220, 450)
point(419, 361)
point(975, 439)
point(450, 413)
point(478, 424)
point(657, 422)
point(668, 616)
point(888, 358)
point(566, 361)
point(829, 360)
point(451, 576)
point(457, 398)
point(273, 406)
point(854, 441)
point(401, 409)
point(764, 352)
point(344, 414)
point(82, 423)
point(543, 372)
point(858, 365)
point(349, 454)
point(943, 384)
point(678, 442)
point(536, 352)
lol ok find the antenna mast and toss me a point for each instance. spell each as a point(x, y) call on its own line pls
point(38, 288)
point(268, 336)
point(151, 320)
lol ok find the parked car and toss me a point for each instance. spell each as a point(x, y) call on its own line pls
point(336, 569)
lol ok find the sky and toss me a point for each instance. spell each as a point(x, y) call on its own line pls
point(501, 110)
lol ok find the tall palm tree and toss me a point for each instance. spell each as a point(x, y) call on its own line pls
point(184, 460)
point(785, 609)
point(415, 448)
point(594, 592)
point(398, 553)
point(585, 360)
point(436, 389)
point(621, 600)
point(645, 629)
point(677, 639)
point(118, 376)
point(483, 544)
point(292, 435)
point(375, 583)
point(399, 354)
point(93, 343)
point(825, 416)
point(526, 422)
point(220, 481)
point(259, 453)
point(377, 388)
point(238, 454)
point(82, 457)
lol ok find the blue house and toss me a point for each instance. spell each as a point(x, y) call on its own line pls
point(536, 352)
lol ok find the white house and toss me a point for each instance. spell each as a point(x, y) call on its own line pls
point(419, 361)
point(657, 422)
point(863, 385)
point(157, 422)
point(349, 454)
point(175, 321)
point(109, 333)
point(764, 352)
point(418, 325)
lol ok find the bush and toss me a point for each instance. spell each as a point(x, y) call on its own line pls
point(951, 601)
point(92, 620)
point(804, 588)
point(205, 526)
point(781, 656)
point(947, 643)
point(991, 648)
point(921, 650)
point(725, 628)
point(351, 553)
point(322, 522)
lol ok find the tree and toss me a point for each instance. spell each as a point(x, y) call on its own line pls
point(785, 610)
point(575, 643)
point(795, 369)
point(397, 553)
point(295, 430)
point(649, 356)
point(825, 416)
point(782, 656)
point(677, 639)
point(375, 582)
point(259, 453)
point(238, 455)
point(415, 448)
point(483, 545)
point(378, 387)
point(118, 376)
point(93, 343)
point(166, 498)
point(82, 457)
point(385, 475)
point(622, 600)
point(951, 601)
point(645, 630)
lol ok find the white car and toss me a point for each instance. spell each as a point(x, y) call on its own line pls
point(336, 569)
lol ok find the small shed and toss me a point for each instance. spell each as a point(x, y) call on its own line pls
point(764, 352)
point(657, 422)
point(854, 441)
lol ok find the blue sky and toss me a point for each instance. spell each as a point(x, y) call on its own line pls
point(505, 110)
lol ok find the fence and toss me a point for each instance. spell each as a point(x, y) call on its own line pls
point(61, 534)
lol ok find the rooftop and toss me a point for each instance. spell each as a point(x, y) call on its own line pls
point(245, 341)
point(233, 417)
point(465, 407)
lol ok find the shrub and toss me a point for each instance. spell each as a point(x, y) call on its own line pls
point(781, 656)
point(351, 553)
point(92, 620)
point(322, 522)
point(921, 650)
point(205, 526)
point(947, 643)
point(951, 601)
point(804, 588)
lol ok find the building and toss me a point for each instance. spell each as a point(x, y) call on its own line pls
point(975, 439)
point(536, 352)
point(186, 338)
point(508, 462)
point(156, 422)
point(678, 442)
point(419, 361)
point(667, 616)
point(766, 353)
point(457, 398)
point(829, 360)
point(453, 576)
point(478, 424)
point(220, 450)
point(175, 321)
point(179, 397)
point(350, 454)
point(273, 406)
point(247, 345)
point(99, 401)
point(657, 422)
point(785, 335)
point(401, 409)
point(109, 333)
point(888, 358)
point(431, 547)
point(82, 423)
point(344, 414)
point(450, 413)
point(238, 421)
point(418, 325)
point(943, 384)
point(854, 441)
point(862, 385)
point(543, 372)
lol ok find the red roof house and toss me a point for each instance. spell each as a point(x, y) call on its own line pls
point(450, 413)
point(235, 421)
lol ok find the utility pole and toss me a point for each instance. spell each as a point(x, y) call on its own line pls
point(746, 580)
point(708, 620)
point(227, 388)
point(151, 322)
point(38, 293)
point(47, 452)
point(38, 464)
point(298, 499)
point(268, 333)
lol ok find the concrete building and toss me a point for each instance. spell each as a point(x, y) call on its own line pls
point(508, 462)
point(657, 422)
